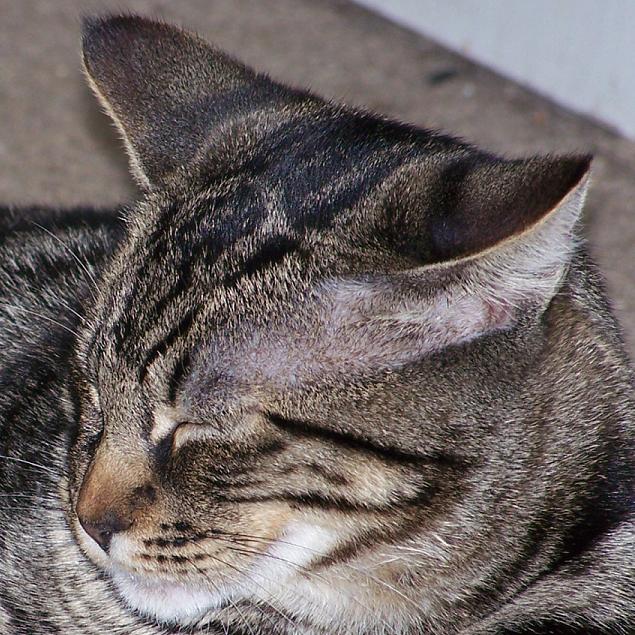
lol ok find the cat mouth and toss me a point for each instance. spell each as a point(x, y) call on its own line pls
point(167, 601)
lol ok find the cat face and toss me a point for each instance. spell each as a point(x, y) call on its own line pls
point(288, 381)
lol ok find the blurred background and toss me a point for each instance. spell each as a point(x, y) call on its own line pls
point(578, 52)
point(512, 76)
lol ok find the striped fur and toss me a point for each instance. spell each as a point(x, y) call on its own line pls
point(332, 374)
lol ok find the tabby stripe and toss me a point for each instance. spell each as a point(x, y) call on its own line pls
point(308, 499)
point(122, 329)
point(152, 316)
point(246, 455)
point(310, 209)
point(385, 453)
point(344, 552)
point(181, 368)
point(161, 347)
point(185, 261)
point(187, 264)
point(271, 253)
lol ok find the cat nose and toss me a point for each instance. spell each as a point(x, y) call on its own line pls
point(103, 529)
point(113, 496)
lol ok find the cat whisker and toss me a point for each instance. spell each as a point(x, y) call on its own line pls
point(31, 463)
point(82, 264)
point(16, 307)
point(244, 620)
point(37, 292)
point(250, 580)
point(232, 538)
point(231, 602)
point(362, 572)
point(432, 552)
point(79, 316)
point(307, 572)
point(16, 508)
point(260, 586)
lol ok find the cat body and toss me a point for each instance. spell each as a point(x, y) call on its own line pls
point(332, 374)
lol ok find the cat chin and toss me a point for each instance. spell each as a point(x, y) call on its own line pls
point(165, 601)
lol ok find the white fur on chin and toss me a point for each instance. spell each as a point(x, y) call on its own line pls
point(166, 601)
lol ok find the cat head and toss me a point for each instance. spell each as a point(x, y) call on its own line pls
point(290, 375)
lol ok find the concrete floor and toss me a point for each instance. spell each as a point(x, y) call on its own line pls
point(57, 148)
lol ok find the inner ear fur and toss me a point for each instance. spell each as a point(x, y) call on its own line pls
point(493, 256)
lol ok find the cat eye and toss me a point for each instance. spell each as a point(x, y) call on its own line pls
point(178, 435)
point(188, 431)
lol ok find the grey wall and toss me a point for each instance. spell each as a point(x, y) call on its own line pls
point(580, 53)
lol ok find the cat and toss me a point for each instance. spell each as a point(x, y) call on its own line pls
point(332, 374)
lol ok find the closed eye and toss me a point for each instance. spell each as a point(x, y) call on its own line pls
point(166, 421)
point(163, 435)
point(173, 436)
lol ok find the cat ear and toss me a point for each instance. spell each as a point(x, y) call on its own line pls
point(158, 83)
point(501, 245)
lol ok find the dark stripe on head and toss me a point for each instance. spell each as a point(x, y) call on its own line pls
point(271, 253)
point(181, 369)
point(161, 347)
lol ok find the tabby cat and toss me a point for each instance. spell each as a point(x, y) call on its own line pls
point(333, 374)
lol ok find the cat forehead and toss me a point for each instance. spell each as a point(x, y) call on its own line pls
point(303, 165)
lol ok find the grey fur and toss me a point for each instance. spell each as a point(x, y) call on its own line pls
point(317, 327)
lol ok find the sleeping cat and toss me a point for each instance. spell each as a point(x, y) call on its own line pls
point(333, 374)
